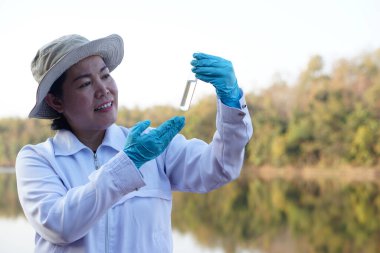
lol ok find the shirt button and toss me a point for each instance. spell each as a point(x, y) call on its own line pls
point(244, 106)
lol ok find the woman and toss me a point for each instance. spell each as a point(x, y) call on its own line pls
point(99, 187)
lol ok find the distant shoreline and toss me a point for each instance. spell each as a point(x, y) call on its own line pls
point(344, 175)
point(347, 175)
point(7, 170)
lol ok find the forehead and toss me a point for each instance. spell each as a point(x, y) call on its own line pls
point(89, 64)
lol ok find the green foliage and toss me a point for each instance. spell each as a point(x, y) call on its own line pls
point(323, 119)
point(157, 115)
point(15, 133)
point(200, 120)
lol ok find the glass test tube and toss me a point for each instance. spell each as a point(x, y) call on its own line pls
point(188, 93)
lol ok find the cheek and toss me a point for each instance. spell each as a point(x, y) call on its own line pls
point(116, 96)
point(77, 103)
point(113, 88)
point(115, 92)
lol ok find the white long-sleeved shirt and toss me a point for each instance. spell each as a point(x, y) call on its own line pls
point(81, 201)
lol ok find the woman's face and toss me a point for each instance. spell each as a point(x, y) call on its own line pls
point(90, 96)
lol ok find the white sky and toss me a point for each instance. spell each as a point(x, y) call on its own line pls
point(261, 38)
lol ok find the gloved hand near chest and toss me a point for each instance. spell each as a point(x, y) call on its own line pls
point(220, 73)
point(142, 147)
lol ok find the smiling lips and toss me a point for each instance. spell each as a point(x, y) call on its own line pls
point(104, 107)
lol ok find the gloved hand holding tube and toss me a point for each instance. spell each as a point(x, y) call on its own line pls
point(142, 147)
point(220, 73)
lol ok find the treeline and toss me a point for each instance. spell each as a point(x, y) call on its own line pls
point(327, 119)
point(323, 119)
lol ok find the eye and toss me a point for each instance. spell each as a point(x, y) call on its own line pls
point(84, 84)
point(106, 76)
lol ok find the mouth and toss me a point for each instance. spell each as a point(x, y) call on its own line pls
point(104, 107)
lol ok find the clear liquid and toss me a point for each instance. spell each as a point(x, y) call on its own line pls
point(188, 94)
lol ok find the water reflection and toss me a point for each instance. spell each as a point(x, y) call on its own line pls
point(20, 235)
point(278, 215)
point(15, 228)
point(285, 216)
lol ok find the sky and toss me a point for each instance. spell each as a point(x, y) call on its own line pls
point(262, 39)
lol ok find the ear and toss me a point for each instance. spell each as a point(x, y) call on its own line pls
point(54, 102)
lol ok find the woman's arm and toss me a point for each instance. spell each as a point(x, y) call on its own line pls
point(195, 166)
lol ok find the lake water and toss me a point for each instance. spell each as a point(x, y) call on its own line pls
point(18, 237)
point(328, 215)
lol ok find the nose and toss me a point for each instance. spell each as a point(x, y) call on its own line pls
point(101, 89)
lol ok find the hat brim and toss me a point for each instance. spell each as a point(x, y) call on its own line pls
point(110, 48)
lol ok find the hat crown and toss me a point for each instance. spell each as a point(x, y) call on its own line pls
point(48, 55)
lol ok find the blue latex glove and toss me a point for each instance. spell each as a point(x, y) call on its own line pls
point(220, 73)
point(142, 147)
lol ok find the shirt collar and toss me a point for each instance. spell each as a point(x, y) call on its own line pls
point(66, 143)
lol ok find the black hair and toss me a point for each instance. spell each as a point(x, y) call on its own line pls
point(57, 90)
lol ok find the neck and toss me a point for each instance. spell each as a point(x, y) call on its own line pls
point(91, 139)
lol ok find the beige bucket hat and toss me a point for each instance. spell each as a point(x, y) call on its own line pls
point(53, 59)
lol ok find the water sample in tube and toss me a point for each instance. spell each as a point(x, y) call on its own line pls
point(188, 93)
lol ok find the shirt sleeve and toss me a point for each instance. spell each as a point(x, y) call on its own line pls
point(51, 208)
point(196, 166)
